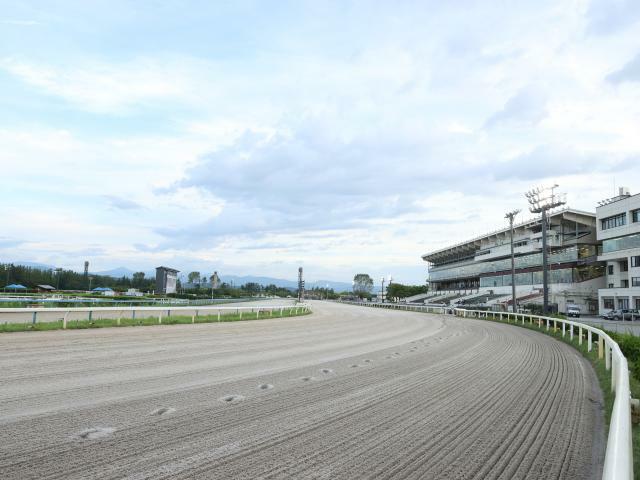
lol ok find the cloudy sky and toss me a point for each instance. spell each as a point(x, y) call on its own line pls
point(254, 137)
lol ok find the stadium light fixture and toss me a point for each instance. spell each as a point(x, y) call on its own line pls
point(510, 216)
point(541, 200)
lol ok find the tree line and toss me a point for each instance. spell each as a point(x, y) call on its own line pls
point(62, 279)
point(363, 286)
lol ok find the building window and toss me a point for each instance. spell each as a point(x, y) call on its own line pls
point(635, 261)
point(610, 269)
point(608, 303)
point(635, 215)
point(635, 281)
point(624, 266)
point(611, 285)
point(623, 303)
point(615, 221)
point(624, 283)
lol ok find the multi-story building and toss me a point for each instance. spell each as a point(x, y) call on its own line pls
point(619, 230)
point(481, 268)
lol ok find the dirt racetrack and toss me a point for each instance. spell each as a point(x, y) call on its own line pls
point(348, 392)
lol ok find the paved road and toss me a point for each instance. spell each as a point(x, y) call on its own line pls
point(348, 392)
point(613, 325)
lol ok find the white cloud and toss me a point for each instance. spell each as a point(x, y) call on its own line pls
point(104, 88)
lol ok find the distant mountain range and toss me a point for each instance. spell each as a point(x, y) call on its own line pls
point(230, 279)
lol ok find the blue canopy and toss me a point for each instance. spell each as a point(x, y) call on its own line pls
point(16, 286)
point(101, 289)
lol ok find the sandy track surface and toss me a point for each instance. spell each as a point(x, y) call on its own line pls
point(348, 392)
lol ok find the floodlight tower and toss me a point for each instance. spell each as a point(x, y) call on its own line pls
point(541, 200)
point(511, 215)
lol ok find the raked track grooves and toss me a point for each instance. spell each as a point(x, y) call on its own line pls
point(347, 392)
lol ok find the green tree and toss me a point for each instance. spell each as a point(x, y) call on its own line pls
point(138, 279)
point(193, 277)
point(252, 288)
point(362, 285)
point(397, 290)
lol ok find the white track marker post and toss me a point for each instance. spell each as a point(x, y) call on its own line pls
point(241, 315)
point(548, 324)
point(218, 314)
point(589, 341)
point(607, 353)
point(64, 321)
point(159, 318)
point(580, 335)
point(257, 314)
point(564, 329)
point(193, 318)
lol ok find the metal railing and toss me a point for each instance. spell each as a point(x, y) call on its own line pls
point(618, 462)
point(118, 313)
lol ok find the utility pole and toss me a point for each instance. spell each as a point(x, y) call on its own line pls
point(511, 216)
point(541, 202)
point(382, 290)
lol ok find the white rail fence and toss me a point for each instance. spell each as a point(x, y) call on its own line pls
point(32, 315)
point(618, 463)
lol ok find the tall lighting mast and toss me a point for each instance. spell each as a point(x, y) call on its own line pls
point(541, 200)
point(300, 285)
point(511, 216)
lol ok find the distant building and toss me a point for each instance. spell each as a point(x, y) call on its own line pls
point(166, 280)
point(45, 288)
point(106, 291)
point(619, 230)
point(133, 292)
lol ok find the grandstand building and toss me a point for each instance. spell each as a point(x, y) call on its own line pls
point(478, 271)
point(619, 230)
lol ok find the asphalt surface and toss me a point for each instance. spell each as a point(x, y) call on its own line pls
point(627, 326)
point(348, 392)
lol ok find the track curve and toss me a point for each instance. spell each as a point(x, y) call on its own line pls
point(348, 392)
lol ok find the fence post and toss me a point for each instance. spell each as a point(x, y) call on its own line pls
point(580, 334)
point(571, 331)
point(193, 318)
point(548, 324)
point(564, 329)
point(159, 318)
point(607, 358)
point(589, 340)
point(240, 314)
point(614, 368)
point(218, 314)
point(64, 320)
point(601, 348)
point(257, 314)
